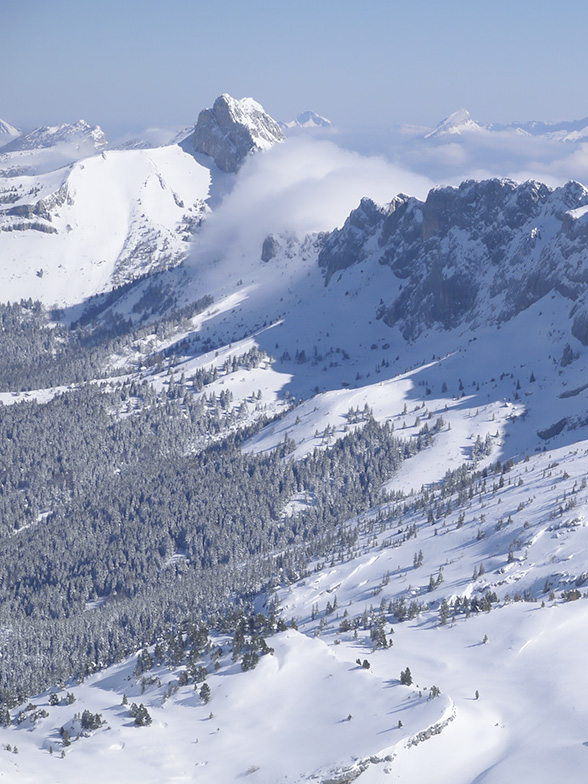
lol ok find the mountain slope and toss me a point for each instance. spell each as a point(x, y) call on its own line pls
point(481, 702)
point(72, 233)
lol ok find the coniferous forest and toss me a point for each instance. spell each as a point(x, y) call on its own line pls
point(127, 514)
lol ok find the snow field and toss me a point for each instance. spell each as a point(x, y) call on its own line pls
point(121, 207)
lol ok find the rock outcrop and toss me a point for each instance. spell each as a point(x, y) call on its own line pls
point(482, 252)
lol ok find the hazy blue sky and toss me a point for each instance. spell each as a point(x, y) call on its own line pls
point(131, 64)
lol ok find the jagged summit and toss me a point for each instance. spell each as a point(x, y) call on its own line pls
point(7, 133)
point(307, 120)
point(456, 124)
point(80, 133)
point(233, 129)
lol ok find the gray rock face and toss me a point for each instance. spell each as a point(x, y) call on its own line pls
point(232, 130)
point(479, 253)
point(270, 248)
point(348, 245)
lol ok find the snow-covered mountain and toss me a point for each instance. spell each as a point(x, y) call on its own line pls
point(461, 123)
point(71, 233)
point(49, 148)
point(306, 120)
point(456, 124)
point(479, 253)
point(81, 133)
point(232, 130)
point(77, 219)
point(7, 133)
point(564, 130)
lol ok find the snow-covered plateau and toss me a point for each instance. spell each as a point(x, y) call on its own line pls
point(288, 495)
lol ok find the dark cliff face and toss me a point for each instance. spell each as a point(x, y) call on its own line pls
point(348, 245)
point(484, 251)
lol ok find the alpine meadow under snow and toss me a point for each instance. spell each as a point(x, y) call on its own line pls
point(293, 468)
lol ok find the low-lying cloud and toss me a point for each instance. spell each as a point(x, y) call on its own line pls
point(300, 187)
point(309, 185)
point(496, 154)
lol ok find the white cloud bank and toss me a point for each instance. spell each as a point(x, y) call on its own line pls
point(496, 154)
point(308, 185)
point(299, 187)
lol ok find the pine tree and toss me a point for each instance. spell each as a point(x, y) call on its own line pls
point(443, 612)
point(406, 677)
point(142, 717)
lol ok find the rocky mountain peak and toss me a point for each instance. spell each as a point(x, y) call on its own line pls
point(233, 129)
point(349, 244)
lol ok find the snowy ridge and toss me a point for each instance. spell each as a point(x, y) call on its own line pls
point(50, 148)
point(80, 133)
point(565, 130)
point(478, 253)
point(155, 137)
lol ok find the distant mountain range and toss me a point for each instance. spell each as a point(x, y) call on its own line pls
point(79, 133)
point(306, 120)
point(460, 123)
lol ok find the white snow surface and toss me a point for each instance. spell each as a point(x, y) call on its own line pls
point(111, 217)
